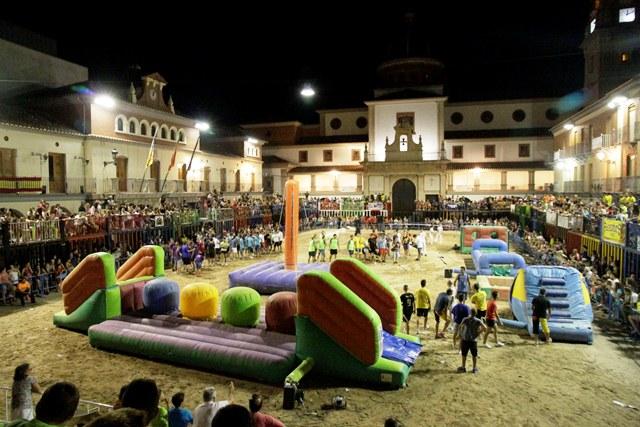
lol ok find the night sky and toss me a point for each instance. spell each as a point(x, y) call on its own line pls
point(247, 63)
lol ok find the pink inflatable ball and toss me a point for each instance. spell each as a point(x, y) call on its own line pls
point(281, 311)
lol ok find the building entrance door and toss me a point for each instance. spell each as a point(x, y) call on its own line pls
point(121, 173)
point(155, 176)
point(403, 198)
point(57, 172)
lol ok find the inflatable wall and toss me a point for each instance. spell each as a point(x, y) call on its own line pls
point(469, 233)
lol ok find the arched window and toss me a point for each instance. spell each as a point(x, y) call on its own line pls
point(173, 135)
point(181, 136)
point(143, 128)
point(132, 127)
point(154, 129)
point(120, 125)
point(163, 133)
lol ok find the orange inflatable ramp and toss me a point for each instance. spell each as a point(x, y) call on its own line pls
point(372, 290)
point(93, 273)
point(341, 314)
point(147, 261)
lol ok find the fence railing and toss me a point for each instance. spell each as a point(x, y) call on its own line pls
point(85, 407)
point(26, 232)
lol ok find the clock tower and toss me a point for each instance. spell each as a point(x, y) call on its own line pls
point(152, 95)
point(611, 46)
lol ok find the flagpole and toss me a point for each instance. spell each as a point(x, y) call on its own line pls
point(165, 180)
point(146, 166)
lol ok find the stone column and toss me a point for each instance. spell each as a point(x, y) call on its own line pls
point(503, 180)
point(532, 180)
point(359, 182)
point(313, 183)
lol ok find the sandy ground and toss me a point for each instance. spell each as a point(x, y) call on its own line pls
point(519, 384)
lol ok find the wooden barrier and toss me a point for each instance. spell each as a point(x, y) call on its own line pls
point(613, 253)
point(573, 241)
point(591, 243)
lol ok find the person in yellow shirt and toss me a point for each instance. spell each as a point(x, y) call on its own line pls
point(423, 305)
point(479, 299)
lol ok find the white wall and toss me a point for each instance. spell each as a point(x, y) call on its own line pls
point(506, 149)
point(27, 142)
point(502, 114)
point(426, 123)
point(341, 153)
point(348, 119)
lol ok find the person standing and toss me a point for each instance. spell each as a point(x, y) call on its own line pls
point(441, 311)
point(57, 406)
point(351, 246)
point(204, 412)
point(459, 312)
point(492, 320)
point(21, 393)
point(541, 308)
point(423, 305)
point(312, 250)
point(462, 283)
point(420, 244)
point(470, 328)
point(333, 247)
point(479, 300)
point(408, 306)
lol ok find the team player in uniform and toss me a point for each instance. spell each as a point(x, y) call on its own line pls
point(408, 306)
point(423, 304)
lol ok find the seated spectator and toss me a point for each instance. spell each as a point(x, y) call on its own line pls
point(179, 417)
point(232, 416)
point(7, 291)
point(142, 394)
point(204, 412)
point(123, 417)
point(260, 419)
point(23, 290)
point(57, 405)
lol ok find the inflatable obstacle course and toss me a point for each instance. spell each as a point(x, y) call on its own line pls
point(491, 258)
point(469, 233)
point(571, 312)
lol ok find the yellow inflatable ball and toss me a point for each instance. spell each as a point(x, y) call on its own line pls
point(199, 301)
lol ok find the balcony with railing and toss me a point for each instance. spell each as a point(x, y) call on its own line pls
point(574, 187)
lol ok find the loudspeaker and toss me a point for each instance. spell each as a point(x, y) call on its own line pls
point(448, 273)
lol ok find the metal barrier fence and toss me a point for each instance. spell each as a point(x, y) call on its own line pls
point(85, 407)
point(26, 232)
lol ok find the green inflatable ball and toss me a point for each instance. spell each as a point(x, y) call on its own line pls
point(240, 306)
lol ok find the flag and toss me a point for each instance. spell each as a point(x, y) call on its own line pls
point(150, 155)
point(192, 154)
point(172, 163)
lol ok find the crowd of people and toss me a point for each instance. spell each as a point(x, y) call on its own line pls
point(140, 403)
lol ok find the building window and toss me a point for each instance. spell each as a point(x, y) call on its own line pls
point(143, 128)
point(457, 151)
point(625, 57)
point(120, 125)
point(486, 116)
point(524, 150)
point(132, 127)
point(362, 122)
point(303, 156)
point(519, 115)
point(173, 135)
point(405, 120)
point(327, 155)
point(163, 133)
point(335, 123)
point(154, 129)
point(490, 151)
point(355, 155)
point(551, 114)
point(456, 118)
point(181, 136)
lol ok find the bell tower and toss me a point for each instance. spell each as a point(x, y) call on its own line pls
point(403, 147)
point(152, 95)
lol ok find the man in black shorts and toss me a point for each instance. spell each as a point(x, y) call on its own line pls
point(408, 306)
point(470, 328)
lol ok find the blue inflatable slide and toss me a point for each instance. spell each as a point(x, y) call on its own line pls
point(571, 313)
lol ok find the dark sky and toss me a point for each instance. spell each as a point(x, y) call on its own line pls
point(246, 62)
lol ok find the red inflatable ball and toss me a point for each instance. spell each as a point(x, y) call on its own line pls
point(281, 311)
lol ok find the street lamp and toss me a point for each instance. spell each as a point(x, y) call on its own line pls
point(202, 126)
point(307, 91)
point(105, 101)
point(114, 155)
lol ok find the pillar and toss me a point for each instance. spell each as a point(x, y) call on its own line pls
point(503, 180)
point(313, 183)
point(532, 180)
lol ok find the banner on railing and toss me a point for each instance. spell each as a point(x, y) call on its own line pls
point(613, 231)
point(552, 218)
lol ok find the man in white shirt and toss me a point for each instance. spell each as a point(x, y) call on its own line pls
point(204, 412)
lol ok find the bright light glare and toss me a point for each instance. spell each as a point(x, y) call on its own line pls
point(105, 101)
point(307, 91)
point(334, 173)
point(202, 126)
point(252, 140)
point(476, 171)
point(600, 155)
point(568, 126)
